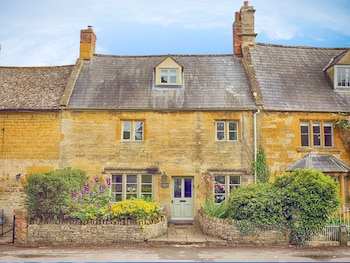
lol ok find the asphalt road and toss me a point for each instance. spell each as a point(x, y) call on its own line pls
point(178, 253)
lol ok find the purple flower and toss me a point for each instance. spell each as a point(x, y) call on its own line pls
point(108, 181)
point(110, 208)
point(74, 194)
point(96, 179)
point(91, 193)
point(79, 197)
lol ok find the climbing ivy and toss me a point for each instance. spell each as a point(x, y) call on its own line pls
point(260, 167)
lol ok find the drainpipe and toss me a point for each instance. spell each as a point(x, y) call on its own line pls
point(255, 143)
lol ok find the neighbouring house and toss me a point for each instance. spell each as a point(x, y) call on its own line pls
point(155, 124)
point(300, 92)
point(30, 126)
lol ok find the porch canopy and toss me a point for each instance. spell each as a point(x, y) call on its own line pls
point(325, 163)
point(329, 165)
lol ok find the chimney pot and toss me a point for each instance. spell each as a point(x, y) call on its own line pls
point(246, 3)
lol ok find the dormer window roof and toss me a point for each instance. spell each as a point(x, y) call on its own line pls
point(168, 73)
point(338, 71)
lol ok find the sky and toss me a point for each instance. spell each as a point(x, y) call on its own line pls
point(47, 32)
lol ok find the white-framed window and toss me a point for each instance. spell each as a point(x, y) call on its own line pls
point(132, 130)
point(321, 134)
point(133, 185)
point(226, 130)
point(224, 184)
point(169, 76)
point(342, 76)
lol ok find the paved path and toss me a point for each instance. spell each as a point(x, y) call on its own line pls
point(186, 234)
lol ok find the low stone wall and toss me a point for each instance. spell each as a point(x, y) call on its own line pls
point(99, 233)
point(224, 229)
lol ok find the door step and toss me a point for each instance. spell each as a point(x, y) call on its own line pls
point(181, 222)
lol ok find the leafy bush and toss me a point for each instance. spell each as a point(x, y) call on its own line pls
point(309, 199)
point(48, 194)
point(215, 210)
point(302, 202)
point(260, 204)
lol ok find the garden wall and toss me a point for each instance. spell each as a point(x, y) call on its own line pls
point(224, 229)
point(92, 233)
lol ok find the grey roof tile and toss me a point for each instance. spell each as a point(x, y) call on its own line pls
point(126, 82)
point(292, 79)
point(320, 162)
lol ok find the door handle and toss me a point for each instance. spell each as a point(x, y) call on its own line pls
point(182, 201)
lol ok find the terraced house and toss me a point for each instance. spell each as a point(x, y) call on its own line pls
point(154, 124)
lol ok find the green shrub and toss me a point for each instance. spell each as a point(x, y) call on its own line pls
point(302, 202)
point(48, 195)
point(309, 200)
point(215, 210)
point(260, 204)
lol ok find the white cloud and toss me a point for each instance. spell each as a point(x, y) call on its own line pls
point(46, 32)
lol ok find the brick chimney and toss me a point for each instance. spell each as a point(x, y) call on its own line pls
point(87, 43)
point(243, 29)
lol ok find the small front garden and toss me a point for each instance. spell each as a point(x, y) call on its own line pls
point(69, 195)
point(299, 203)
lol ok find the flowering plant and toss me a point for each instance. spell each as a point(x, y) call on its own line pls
point(343, 123)
point(211, 186)
point(90, 199)
point(140, 210)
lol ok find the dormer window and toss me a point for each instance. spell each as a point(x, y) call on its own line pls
point(169, 76)
point(342, 76)
point(168, 73)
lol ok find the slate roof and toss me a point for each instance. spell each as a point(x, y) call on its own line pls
point(292, 78)
point(320, 162)
point(127, 82)
point(32, 88)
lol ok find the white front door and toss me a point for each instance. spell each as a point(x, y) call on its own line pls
point(182, 198)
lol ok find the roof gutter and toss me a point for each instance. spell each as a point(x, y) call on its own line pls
point(255, 144)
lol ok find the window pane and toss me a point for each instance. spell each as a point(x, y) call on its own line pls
point(233, 131)
point(316, 133)
point(177, 188)
point(304, 132)
point(328, 134)
point(146, 178)
point(146, 185)
point(138, 131)
point(235, 181)
point(220, 131)
point(188, 188)
point(173, 76)
point(219, 188)
point(117, 187)
point(164, 76)
point(131, 185)
point(126, 126)
point(343, 76)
